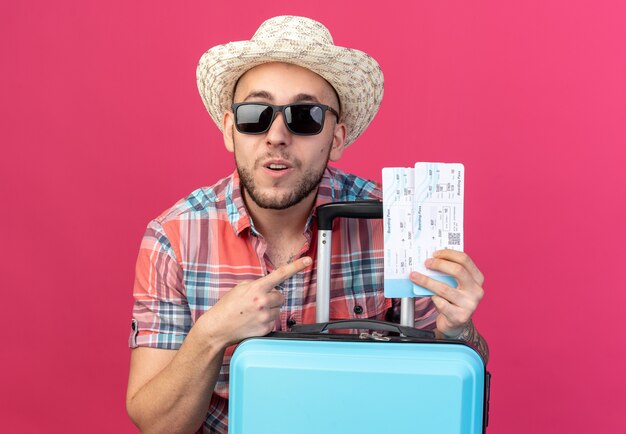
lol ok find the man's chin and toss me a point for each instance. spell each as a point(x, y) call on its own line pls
point(274, 200)
point(280, 196)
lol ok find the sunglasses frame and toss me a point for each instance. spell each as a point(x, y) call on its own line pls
point(281, 109)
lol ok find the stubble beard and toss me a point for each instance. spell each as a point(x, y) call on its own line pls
point(307, 183)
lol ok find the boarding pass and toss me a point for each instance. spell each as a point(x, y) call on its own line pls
point(422, 212)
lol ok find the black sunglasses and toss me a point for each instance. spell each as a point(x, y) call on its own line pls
point(300, 119)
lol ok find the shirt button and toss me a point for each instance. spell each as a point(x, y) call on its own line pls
point(291, 322)
point(358, 309)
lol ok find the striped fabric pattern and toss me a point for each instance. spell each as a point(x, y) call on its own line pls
point(204, 245)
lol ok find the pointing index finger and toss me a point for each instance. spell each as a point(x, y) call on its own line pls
point(284, 272)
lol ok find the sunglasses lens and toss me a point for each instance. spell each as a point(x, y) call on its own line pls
point(253, 118)
point(304, 119)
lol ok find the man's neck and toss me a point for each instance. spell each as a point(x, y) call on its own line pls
point(289, 222)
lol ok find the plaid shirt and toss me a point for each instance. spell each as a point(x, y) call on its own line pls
point(206, 244)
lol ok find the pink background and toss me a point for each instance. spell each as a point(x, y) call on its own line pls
point(102, 129)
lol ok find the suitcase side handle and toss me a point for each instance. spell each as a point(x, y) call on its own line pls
point(409, 332)
point(362, 209)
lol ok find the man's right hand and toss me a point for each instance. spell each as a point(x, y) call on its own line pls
point(252, 307)
point(169, 391)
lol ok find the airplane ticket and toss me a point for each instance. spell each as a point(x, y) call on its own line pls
point(423, 212)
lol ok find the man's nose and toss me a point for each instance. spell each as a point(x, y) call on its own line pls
point(278, 134)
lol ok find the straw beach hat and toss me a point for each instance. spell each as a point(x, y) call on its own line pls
point(356, 77)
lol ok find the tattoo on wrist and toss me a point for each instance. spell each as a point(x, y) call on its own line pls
point(471, 335)
point(466, 333)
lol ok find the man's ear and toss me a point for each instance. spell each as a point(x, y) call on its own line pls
point(227, 131)
point(339, 141)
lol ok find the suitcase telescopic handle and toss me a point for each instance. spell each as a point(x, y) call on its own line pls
point(365, 209)
point(362, 209)
point(325, 215)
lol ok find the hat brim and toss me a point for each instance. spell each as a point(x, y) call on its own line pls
point(355, 76)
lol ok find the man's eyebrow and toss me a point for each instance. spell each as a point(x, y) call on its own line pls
point(259, 94)
point(265, 95)
point(304, 97)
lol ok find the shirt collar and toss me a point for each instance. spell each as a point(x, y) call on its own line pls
point(235, 206)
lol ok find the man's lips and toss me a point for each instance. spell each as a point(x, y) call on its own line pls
point(277, 165)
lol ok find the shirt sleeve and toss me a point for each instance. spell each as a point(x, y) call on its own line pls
point(161, 314)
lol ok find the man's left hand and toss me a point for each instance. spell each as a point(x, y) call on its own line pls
point(455, 305)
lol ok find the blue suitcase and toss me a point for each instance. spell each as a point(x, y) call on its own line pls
point(312, 382)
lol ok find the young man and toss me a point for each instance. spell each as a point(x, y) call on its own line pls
point(235, 260)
